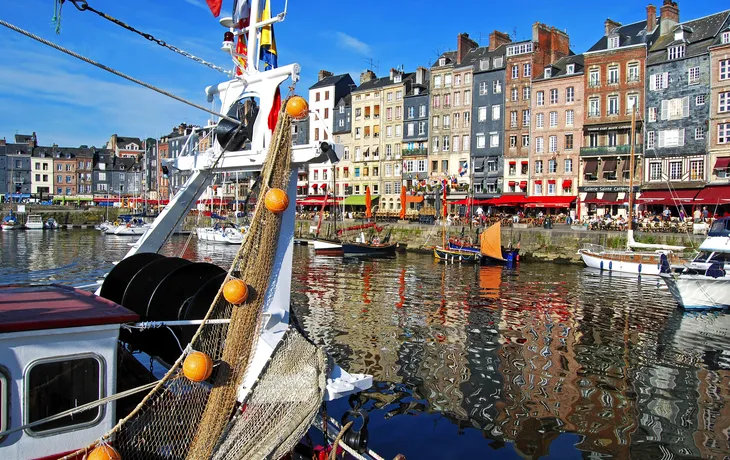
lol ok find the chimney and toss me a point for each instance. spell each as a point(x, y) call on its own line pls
point(464, 44)
point(323, 74)
point(497, 39)
point(650, 18)
point(609, 25)
point(2, 142)
point(420, 75)
point(392, 73)
point(669, 16)
point(33, 141)
point(367, 76)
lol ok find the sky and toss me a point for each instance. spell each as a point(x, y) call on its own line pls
point(70, 103)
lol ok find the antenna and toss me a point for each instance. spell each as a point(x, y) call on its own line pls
point(372, 64)
point(482, 38)
point(514, 33)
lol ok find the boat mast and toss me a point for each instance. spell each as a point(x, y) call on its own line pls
point(334, 202)
point(632, 141)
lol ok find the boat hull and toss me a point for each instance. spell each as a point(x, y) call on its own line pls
point(327, 248)
point(368, 250)
point(636, 263)
point(214, 236)
point(7, 227)
point(699, 292)
point(456, 255)
point(508, 256)
point(34, 225)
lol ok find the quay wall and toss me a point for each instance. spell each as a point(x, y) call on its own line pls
point(559, 244)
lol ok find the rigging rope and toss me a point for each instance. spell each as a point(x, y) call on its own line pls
point(83, 5)
point(115, 72)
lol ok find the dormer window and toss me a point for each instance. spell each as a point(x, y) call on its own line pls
point(679, 34)
point(570, 69)
point(498, 61)
point(676, 52)
point(613, 42)
point(725, 37)
point(484, 64)
point(442, 61)
point(416, 91)
point(548, 72)
point(397, 78)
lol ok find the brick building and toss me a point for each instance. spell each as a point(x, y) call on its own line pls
point(719, 129)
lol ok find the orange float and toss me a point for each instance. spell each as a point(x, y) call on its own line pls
point(197, 366)
point(276, 200)
point(104, 452)
point(297, 108)
point(235, 291)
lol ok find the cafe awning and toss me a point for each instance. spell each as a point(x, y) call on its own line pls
point(507, 200)
point(550, 201)
point(591, 167)
point(318, 200)
point(722, 163)
point(667, 197)
point(717, 194)
point(359, 200)
point(608, 199)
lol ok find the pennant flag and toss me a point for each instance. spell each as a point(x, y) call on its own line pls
point(275, 108)
point(242, 52)
point(241, 13)
point(268, 41)
point(215, 6)
point(463, 168)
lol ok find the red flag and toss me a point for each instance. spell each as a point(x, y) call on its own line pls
point(274, 114)
point(242, 50)
point(215, 6)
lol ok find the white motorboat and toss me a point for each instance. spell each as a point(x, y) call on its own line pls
point(34, 222)
point(51, 224)
point(226, 233)
point(10, 222)
point(133, 227)
point(704, 282)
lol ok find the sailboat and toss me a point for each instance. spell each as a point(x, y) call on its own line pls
point(628, 260)
point(369, 247)
point(449, 254)
point(330, 246)
point(491, 247)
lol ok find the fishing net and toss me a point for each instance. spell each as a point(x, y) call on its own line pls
point(184, 419)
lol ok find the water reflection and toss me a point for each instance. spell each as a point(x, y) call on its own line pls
point(530, 361)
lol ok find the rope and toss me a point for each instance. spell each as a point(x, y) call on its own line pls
point(333, 452)
point(115, 72)
point(82, 5)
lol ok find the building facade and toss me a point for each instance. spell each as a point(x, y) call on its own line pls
point(557, 133)
point(414, 148)
point(125, 147)
point(342, 135)
point(719, 129)
point(42, 173)
point(18, 170)
point(64, 175)
point(84, 171)
point(388, 169)
point(367, 101)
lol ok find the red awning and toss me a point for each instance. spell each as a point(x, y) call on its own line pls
point(523, 184)
point(512, 162)
point(549, 201)
point(538, 181)
point(506, 200)
point(525, 162)
point(317, 201)
point(668, 197)
point(551, 181)
point(567, 183)
point(722, 163)
point(414, 199)
point(718, 194)
point(512, 183)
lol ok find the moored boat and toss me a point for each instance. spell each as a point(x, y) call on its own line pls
point(354, 249)
point(456, 255)
point(51, 224)
point(10, 222)
point(34, 222)
point(223, 232)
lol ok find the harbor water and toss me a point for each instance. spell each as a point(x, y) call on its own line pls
point(532, 361)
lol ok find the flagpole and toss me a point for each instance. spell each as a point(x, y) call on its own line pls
point(253, 44)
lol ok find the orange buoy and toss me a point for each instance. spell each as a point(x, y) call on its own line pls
point(197, 366)
point(276, 200)
point(235, 291)
point(104, 452)
point(297, 108)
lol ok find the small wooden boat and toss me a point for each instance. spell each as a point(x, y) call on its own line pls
point(491, 247)
point(456, 255)
point(369, 249)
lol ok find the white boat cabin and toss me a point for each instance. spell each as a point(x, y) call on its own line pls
point(58, 350)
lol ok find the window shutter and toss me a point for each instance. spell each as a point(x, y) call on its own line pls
point(685, 107)
point(680, 137)
point(665, 109)
point(660, 140)
point(652, 82)
point(665, 80)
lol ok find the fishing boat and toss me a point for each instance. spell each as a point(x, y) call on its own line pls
point(628, 260)
point(490, 247)
point(51, 224)
point(704, 283)
point(445, 252)
point(329, 245)
point(224, 232)
point(217, 370)
point(34, 222)
point(10, 222)
point(369, 247)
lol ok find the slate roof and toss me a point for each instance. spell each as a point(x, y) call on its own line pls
point(450, 59)
point(124, 141)
point(331, 81)
point(630, 34)
point(698, 35)
point(12, 149)
point(559, 68)
point(475, 56)
point(423, 87)
point(23, 138)
point(380, 82)
point(346, 100)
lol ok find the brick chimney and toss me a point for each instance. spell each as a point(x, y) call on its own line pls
point(367, 76)
point(650, 18)
point(420, 75)
point(464, 44)
point(497, 39)
point(609, 25)
point(669, 16)
point(33, 141)
point(2, 142)
point(323, 74)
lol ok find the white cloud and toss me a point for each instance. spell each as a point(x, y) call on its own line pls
point(347, 41)
point(198, 3)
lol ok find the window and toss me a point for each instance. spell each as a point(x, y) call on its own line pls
point(437, 101)
point(316, 97)
point(540, 98)
point(411, 129)
point(513, 119)
point(723, 102)
point(493, 139)
point(456, 120)
point(445, 147)
point(552, 166)
point(513, 141)
point(568, 142)
point(723, 133)
point(389, 131)
point(467, 78)
point(633, 72)
point(38, 177)
point(326, 113)
point(447, 81)
point(467, 97)
point(650, 139)
point(496, 112)
point(568, 165)
point(553, 96)
point(60, 190)
point(696, 170)
point(388, 114)
point(496, 87)
point(525, 140)
point(398, 113)
point(652, 114)
point(655, 171)
point(700, 100)
point(540, 120)
point(465, 142)
point(675, 52)
point(422, 111)
point(59, 167)
point(613, 105)
point(527, 70)
point(675, 170)
point(539, 144)
point(594, 107)
point(526, 93)
point(481, 140)
point(435, 144)
point(674, 109)
point(482, 114)
point(57, 385)
point(483, 88)
point(613, 75)
point(491, 166)
point(515, 71)
point(693, 75)
point(538, 188)
point(59, 179)
point(548, 72)
point(526, 117)
point(421, 128)
point(457, 99)
point(466, 119)
point(514, 94)
point(569, 117)
point(725, 69)
point(659, 81)
point(725, 38)
point(102, 176)
point(436, 122)
point(447, 122)
point(399, 95)
point(612, 42)
point(455, 143)
point(68, 179)
point(671, 138)
point(612, 139)
point(569, 94)
point(519, 49)
point(553, 119)
point(553, 144)
point(538, 165)
point(699, 133)
point(594, 78)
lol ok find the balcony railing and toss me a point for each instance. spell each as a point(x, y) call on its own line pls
point(615, 149)
point(414, 152)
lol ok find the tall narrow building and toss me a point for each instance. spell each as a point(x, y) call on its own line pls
point(719, 130)
point(415, 143)
point(391, 139)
